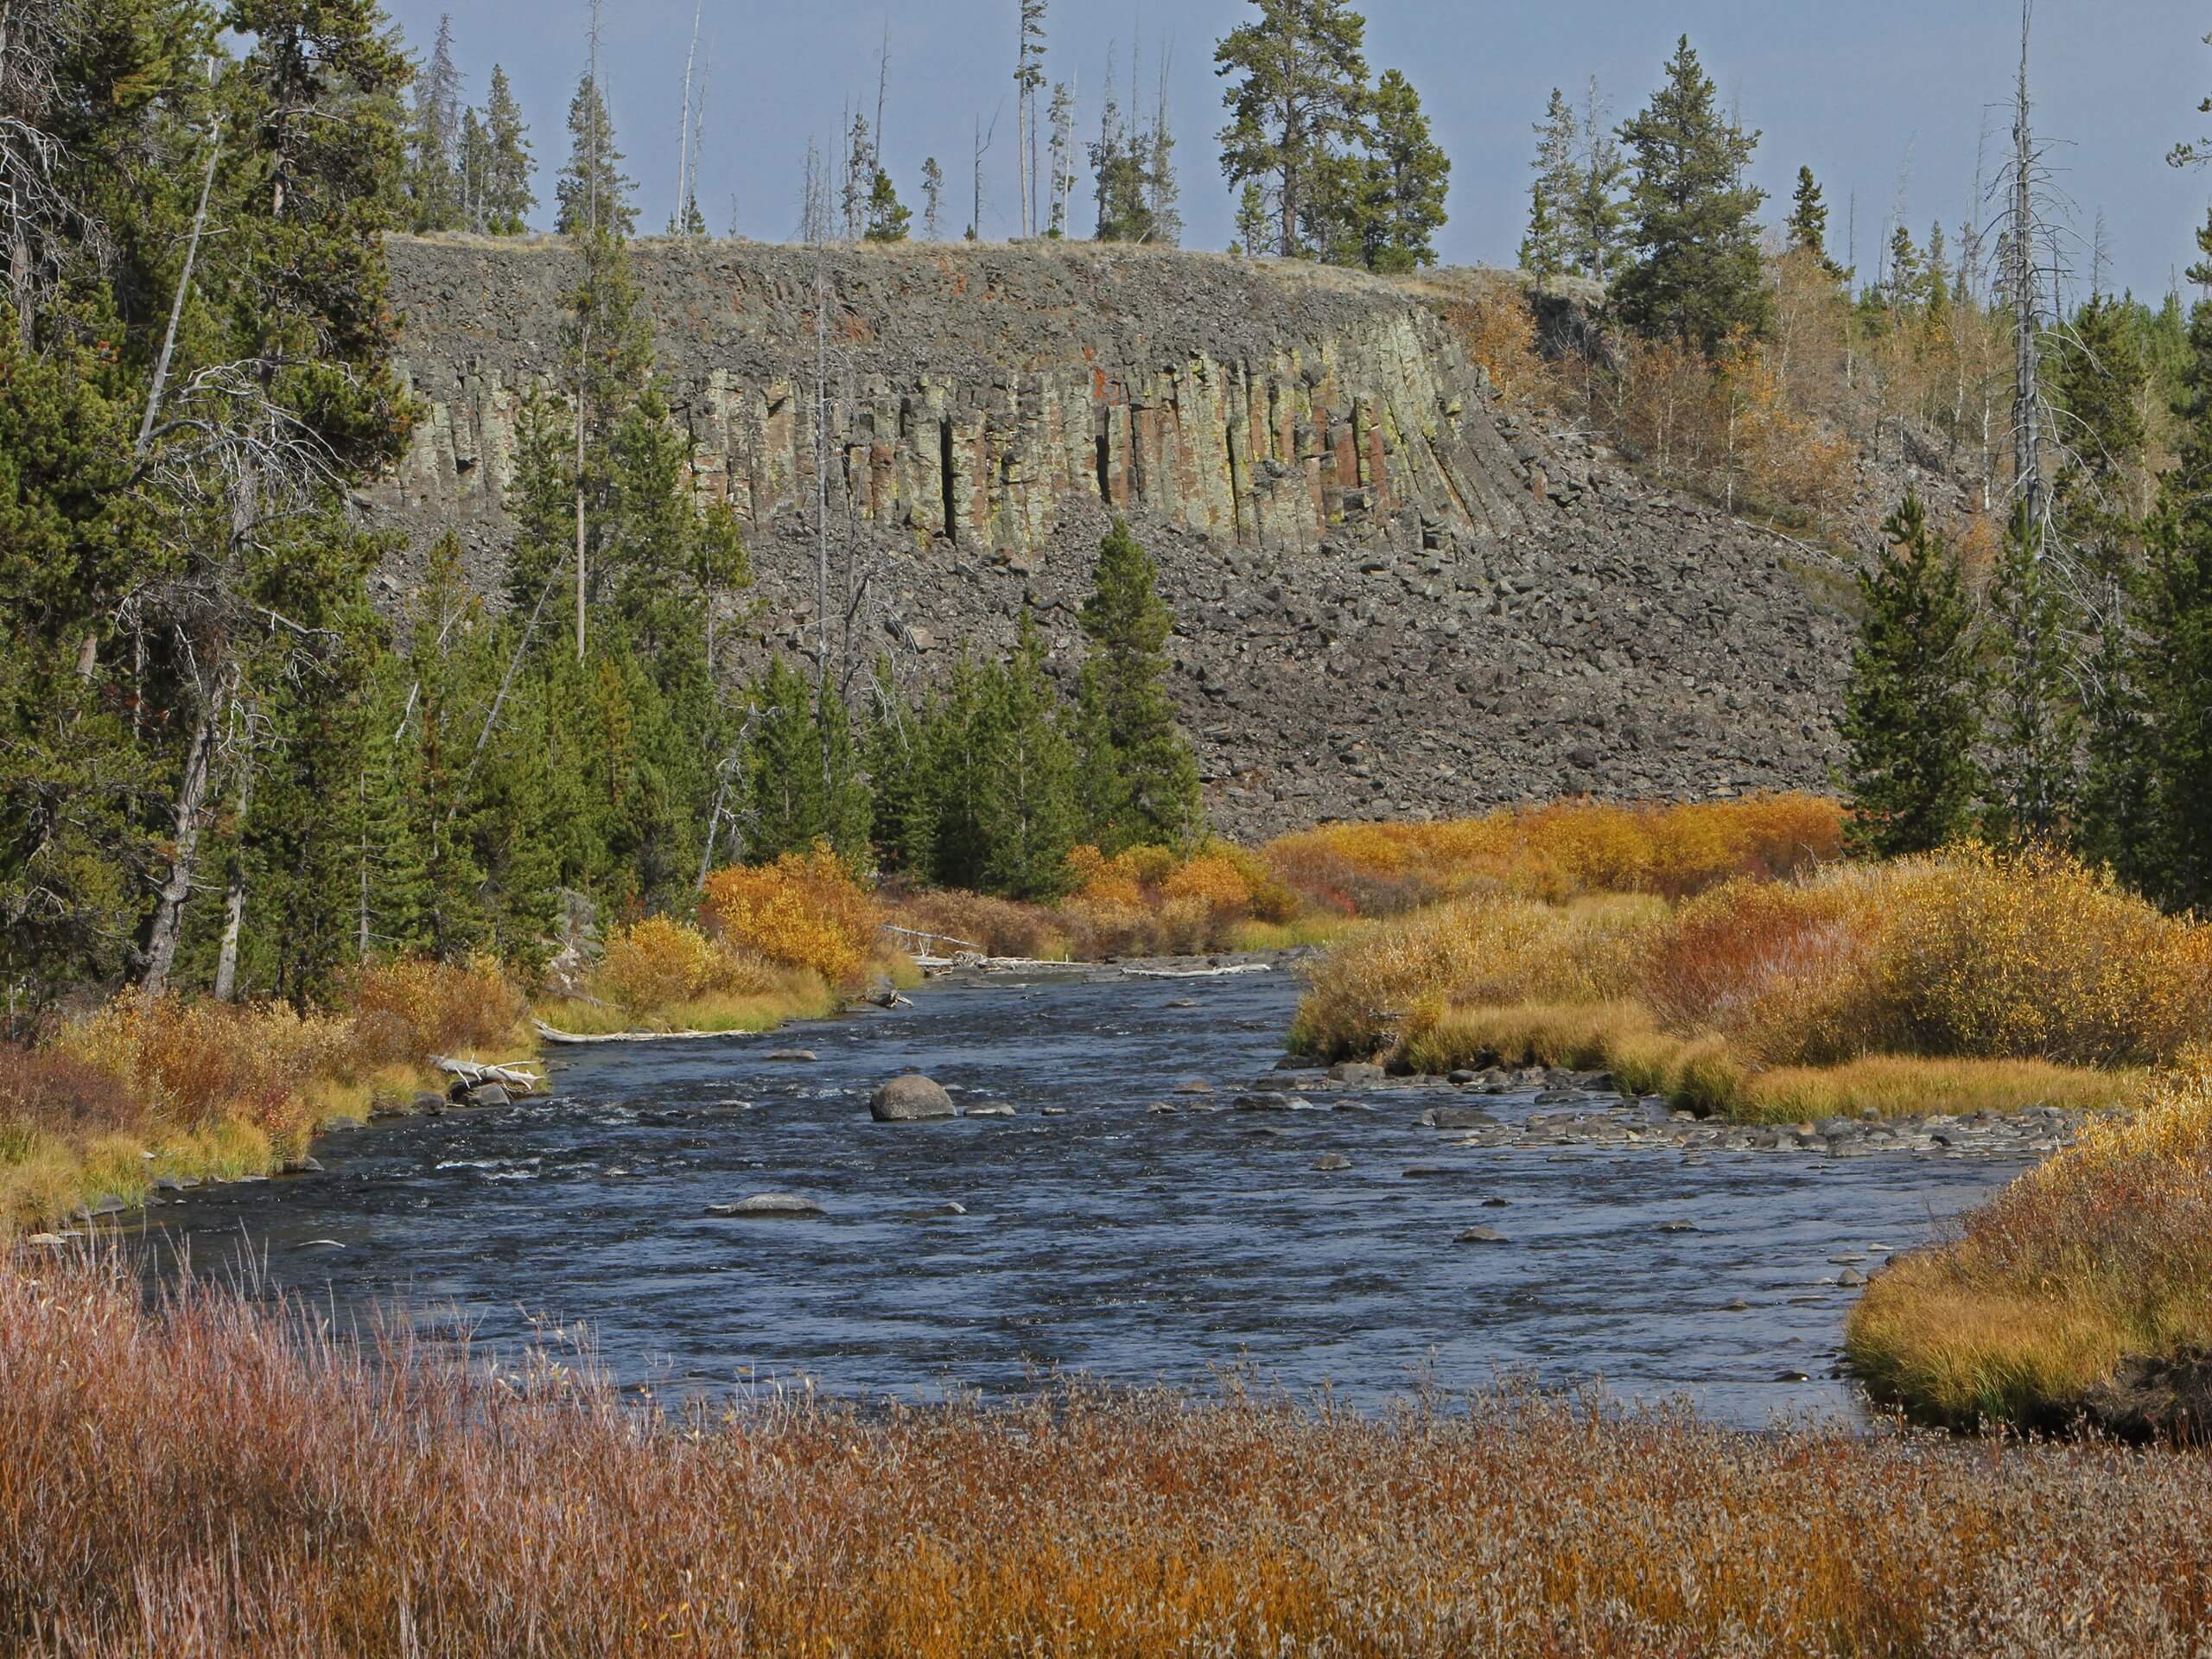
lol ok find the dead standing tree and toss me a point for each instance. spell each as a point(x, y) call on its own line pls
point(230, 466)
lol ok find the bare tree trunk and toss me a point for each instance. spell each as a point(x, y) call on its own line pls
point(177, 301)
point(177, 886)
point(227, 960)
point(2027, 434)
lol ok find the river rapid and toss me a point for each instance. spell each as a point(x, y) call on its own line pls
point(1099, 1236)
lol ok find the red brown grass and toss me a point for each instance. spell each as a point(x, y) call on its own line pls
point(214, 1477)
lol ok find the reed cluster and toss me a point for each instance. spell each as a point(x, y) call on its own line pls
point(214, 1476)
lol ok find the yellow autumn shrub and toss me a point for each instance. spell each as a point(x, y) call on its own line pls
point(806, 910)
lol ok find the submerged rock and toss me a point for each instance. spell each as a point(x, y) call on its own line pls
point(1480, 1235)
point(769, 1206)
point(1332, 1160)
point(793, 1056)
point(912, 1098)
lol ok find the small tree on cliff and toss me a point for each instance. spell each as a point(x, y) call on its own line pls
point(593, 192)
point(1700, 278)
point(1299, 106)
point(1140, 780)
point(1912, 709)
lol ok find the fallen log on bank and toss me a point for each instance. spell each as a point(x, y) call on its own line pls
point(566, 1039)
point(1199, 973)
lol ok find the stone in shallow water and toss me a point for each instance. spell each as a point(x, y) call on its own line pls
point(1678, 1226)
point(910, 1099)
point(769, 1206)
point(1480, 1235)
point(1332, 1160)
point(794, 1056)
point(991, 1108)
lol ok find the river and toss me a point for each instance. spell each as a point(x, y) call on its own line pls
point(1099, 1237)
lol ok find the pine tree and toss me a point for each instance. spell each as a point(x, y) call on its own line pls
point(1912, 717)
point(2175, 661)
point(508, 201)
point(1026, 808)
point(1061, 149)
point(1255, 220)
point(474, 168)
point(1699, 278)
point(1593, 215)
point(1141, 767)
point(933, 199)
point(959, 748)
point(1296, 105)
point(887, 217)
point(434, 159)
point(593, 191)
point(1541, 249)
point(2032, 781)
point(1545, 250)
point(1404, 180)
point(902, 781)
point(1163, 195)
point(1808, 225)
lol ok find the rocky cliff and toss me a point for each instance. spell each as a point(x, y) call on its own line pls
point(1394, 595)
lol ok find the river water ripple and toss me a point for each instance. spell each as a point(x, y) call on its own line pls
point(1100, 1237)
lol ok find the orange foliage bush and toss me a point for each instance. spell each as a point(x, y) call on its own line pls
point(411, 1011)
point(1968, 955)
point(804, 910)
point(1558, 850)
point(194, 1063)
point(659, 963)
point(997, 927)
point(48, 1093)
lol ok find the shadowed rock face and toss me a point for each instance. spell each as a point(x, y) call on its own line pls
point(1392, 597)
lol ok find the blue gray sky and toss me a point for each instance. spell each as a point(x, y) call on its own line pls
point(1882, 98)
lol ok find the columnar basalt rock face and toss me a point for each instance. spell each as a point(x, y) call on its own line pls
point(1393, 596)
point(971, 394)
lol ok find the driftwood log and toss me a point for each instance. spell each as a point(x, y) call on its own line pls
point(513, 1076)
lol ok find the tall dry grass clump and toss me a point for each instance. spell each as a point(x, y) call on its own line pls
point(1556, 851)
point(214, 1477)
point(1969, 955)
point(1387, 984)
point(1967, 981)
point(2096, 1261)
point(806, 910)
point(134, 1090)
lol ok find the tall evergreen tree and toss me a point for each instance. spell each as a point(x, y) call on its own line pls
point(1912, 710)
point(1142, 777)
point(593, 191)
point(1593, 214)
point(2033, 779)
point(1402, 182)
point(1027, 808)
point(1698, 277)
point(435, 158)
point(1544, 249)
point(1298, 106)
point(508, 199)
point(1808, 225)
point(2175, 664)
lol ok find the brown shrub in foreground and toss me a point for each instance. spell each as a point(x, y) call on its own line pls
point(214, 1479)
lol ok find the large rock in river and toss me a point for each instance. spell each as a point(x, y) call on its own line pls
point(911, 1099)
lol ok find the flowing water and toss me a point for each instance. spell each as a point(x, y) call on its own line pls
point(1099, 1237)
